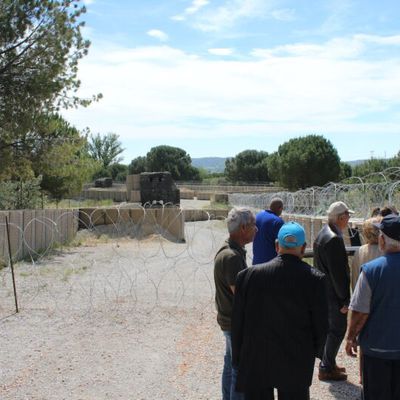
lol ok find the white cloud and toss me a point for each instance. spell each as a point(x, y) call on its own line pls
point(381, 40)
point(225, 16)
point(162, 92)
point(195, 7)
point(339, 10)
point(160, 35)
point(337, 48)
point(284, 14)
point(221, 51)
point(88, 2)
point(178, 18)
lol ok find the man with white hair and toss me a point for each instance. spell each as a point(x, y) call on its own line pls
point(229, 261)
point(375, 317)
point(330, 257)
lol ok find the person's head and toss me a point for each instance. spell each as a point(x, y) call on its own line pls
point(291, 239)
point(241, 225)
point(389, 209)
point(339, 214)
point(370, 231)
point(389, 238)
point(276, 206)
point(375, 212)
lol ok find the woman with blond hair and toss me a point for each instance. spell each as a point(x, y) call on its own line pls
point(367, 251)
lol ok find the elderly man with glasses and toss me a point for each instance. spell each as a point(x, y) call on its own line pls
point(330, 257)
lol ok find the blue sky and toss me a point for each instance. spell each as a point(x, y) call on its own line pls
point(216, 77)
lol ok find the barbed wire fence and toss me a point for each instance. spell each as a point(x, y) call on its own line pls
point(361, 194)
point(138, 264)
point(129, 263)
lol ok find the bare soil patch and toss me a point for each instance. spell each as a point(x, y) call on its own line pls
point(121, 319)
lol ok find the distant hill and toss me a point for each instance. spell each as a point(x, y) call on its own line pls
point(217, 164)
point(355, 162)
point(211, 164)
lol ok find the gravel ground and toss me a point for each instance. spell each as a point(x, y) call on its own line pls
point(122, 319)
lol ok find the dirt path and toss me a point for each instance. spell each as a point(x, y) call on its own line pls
point(121, 319)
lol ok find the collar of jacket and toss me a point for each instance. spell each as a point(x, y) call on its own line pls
point(335, 229)
point(232, 244)
point(289, 257)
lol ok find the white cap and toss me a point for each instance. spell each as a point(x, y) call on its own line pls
point(337, 208)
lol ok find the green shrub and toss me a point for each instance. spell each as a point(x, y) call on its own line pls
point(17, 195)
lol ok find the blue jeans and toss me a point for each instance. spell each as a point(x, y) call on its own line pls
point(229, 374)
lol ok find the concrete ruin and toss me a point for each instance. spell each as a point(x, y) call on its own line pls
point(158, 188)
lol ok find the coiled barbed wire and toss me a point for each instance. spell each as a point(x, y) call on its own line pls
point(137, 262)
point(361, 194)
point(129, 262)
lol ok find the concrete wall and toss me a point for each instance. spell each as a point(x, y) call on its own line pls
point(117, 196)
point(33, 231)
point(204, 215)
point(229, 188)
point(164, 220)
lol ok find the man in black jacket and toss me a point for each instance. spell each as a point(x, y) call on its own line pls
point(330, 257)
point(279, 322)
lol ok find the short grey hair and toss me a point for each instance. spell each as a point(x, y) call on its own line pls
point(391, 244)
point(237, 217)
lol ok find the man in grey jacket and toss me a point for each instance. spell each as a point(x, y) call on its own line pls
point(330, 257)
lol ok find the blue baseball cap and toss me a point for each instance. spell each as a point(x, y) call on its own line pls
point(291, 235)
point(390, 226)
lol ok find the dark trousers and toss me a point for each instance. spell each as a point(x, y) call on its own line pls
point(381, 379)
point(336, 331)
point(268, 394)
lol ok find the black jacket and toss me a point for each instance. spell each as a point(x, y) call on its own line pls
point(279, 324)
point(330, 257)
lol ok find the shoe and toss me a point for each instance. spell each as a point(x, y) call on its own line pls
point(333, 375)
point(340, 369)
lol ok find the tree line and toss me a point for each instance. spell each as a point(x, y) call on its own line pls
point(297, 164)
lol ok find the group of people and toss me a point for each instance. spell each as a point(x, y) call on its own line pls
point(281, 314)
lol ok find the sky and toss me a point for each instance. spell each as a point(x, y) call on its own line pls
point(216, 77)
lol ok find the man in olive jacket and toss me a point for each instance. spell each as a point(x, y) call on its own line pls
point(229, 261)
point(279, 322)
point(330, 257)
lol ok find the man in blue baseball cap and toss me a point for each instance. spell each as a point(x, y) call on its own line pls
point(375, 312)
point(279, 322)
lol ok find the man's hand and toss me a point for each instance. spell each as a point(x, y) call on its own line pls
point(357, 322)
point(351, 347)
point(344, 309)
